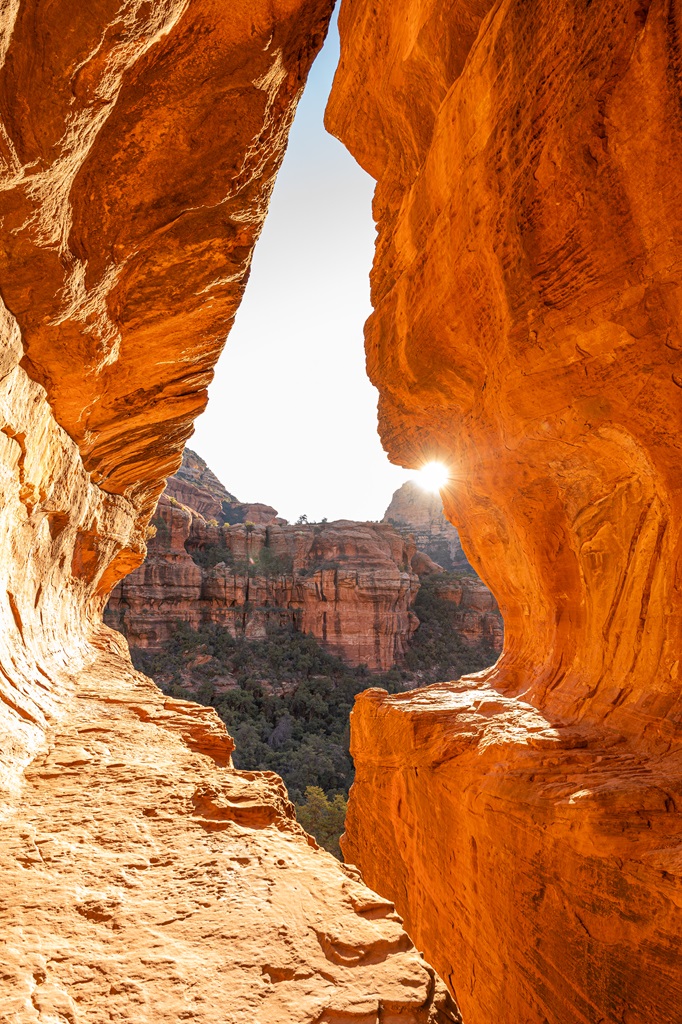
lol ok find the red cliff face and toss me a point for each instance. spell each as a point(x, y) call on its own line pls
point(526, 330)
point(143, 878)
point(349, 584)
point(421, 513)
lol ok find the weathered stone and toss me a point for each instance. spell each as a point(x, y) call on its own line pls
point(420, 513)
point(526, 331)
point(347, 583)
point(143, 879)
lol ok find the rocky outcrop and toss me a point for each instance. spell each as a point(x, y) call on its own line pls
point(416, 512)
point(475, 615)
point(196, 486)
point(143, 878)
point(420, 513)
point(347, 583)
point(526, 331)
point(150, 881)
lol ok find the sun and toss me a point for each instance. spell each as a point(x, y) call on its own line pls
point(433, 476)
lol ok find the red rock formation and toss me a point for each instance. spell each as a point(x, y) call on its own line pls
point(527, 331)
point(476, 617)
point(346, 583)
point(196, 486)
point(143, 878)
point(145, 882)
point(421, 513)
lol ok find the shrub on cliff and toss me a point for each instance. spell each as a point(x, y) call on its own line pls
point(323, 818)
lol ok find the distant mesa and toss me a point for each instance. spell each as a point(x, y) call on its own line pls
point(420, 513)
point(213, 560)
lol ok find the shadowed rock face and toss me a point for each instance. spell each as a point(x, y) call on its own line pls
point(144, 880)
point(526, 330)
point(413, 509)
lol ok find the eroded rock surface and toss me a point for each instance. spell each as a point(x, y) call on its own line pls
point(349, 584)
point(143, 879)
point(196, 485)
point(415, 510)
point(526, 330)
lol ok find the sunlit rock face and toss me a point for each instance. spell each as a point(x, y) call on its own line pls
point(143, 879)
point(348, 584)
point(526, 331)
point(128, 222)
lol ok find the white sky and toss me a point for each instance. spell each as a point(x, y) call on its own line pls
point(291, 419)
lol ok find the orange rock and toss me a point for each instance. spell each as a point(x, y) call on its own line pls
point(143, 879)
point(139, 154)
point(526, 330)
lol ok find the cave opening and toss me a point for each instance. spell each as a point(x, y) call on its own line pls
point(386, 597)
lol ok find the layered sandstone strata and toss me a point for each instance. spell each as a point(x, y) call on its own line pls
point(143, 878)
point(420, 513)
point(197, 486)
point(475, 615)
point(526, 330)
point(347, 583)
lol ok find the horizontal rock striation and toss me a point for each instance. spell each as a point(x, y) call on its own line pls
point(526, 331)
point(143, 878)
point(421, 513)
point(349, 584)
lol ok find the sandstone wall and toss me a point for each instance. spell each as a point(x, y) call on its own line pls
point(349, 584)
point(526, 330)
point(414, 509)
point(144, 880)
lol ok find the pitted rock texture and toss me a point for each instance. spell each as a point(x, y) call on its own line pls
point(347, 583)
point(145, 880)
point(526, 331)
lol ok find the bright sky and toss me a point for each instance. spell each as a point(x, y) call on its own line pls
point(291, 419)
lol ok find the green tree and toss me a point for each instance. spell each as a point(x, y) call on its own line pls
point(323, 818)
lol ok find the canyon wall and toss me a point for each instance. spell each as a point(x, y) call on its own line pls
point(420, 513)
point(526, 331)
point(143, 878)
point(349, 584)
